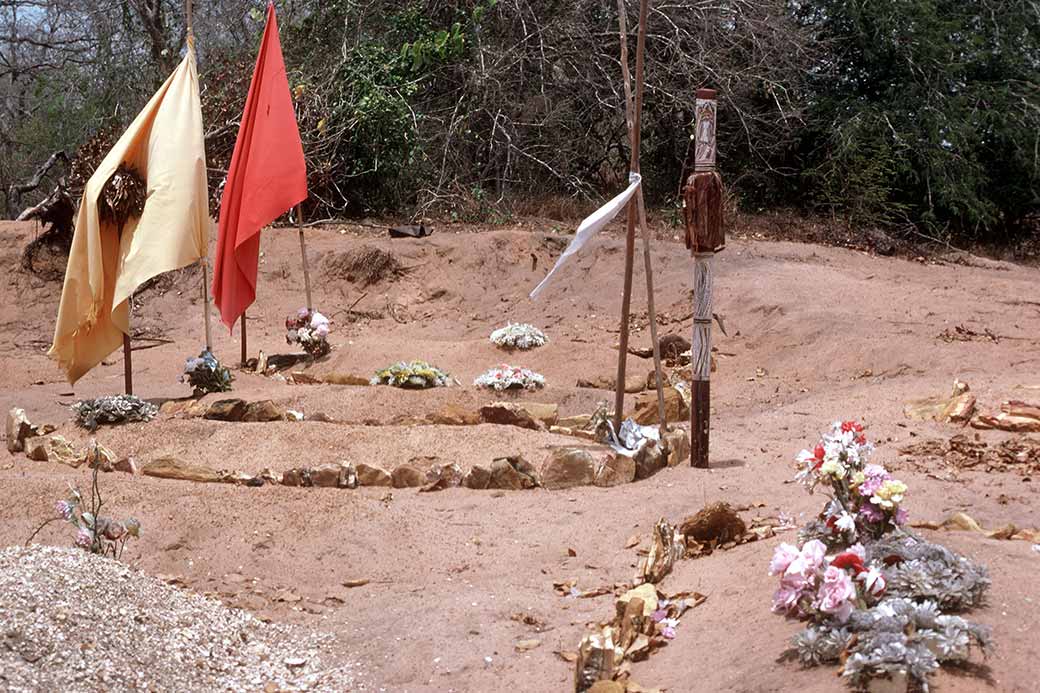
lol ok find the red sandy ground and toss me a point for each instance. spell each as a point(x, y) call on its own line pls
point(449, 569)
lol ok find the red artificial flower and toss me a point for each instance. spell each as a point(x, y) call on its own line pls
point(849, 560)
point(818, 454)
point(847, 426)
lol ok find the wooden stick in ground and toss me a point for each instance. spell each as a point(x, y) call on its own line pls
point(245, 349)
point(205, 303)
point(303, 252)
point(636, 137)
point(633, 117)
point(128, 366)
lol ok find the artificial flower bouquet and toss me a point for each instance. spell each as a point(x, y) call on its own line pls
point(98, 534)
point(206, 374)
point(519, 336)
point(505, 377)
point(309, 329)
point(866, 499)
point(815, 586)
point(872, 593)
point(414, 375)
point(113, 410)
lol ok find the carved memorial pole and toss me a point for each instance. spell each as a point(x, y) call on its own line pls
point(702, 196)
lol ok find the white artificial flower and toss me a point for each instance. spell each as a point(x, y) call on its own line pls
point(874, 581)
point(846, 522)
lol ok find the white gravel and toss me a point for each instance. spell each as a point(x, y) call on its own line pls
point(72, 621)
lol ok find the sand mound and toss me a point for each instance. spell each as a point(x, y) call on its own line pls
point(365, 266)
point(72, 621)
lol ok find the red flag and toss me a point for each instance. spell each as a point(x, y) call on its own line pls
point(268, 175)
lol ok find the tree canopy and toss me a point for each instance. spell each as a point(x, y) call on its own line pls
point(922, 112)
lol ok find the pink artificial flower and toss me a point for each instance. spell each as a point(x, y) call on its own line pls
point(659, 615)
point(871, 513)
point(901, 516)
point(668, 632)
point(785, 599)
point(64, 509)
point(836, 594)
point(84, 539)
point(782, 557)
point(808, 560)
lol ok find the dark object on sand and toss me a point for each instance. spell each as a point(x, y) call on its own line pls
point(412, 231)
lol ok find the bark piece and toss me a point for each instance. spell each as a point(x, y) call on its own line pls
point(97, 455)
point(334, 475)
point(650, 459)
point(408, 476)
point(297, 477)
point(532, 415)
point(567, 468)
point(454, 415)
point(675, 407)
point(172, 468)
point(677, 442)
point(442, 477)
point(227, 410)
point(598, 659)
point(19, 429)
point(478, 478)
point(666, 548)
point(956, 408)
point(1014, 416)
point(263, 411)
point(512, 474)
point(372, 475)
point(616, 469)
point(53, 449)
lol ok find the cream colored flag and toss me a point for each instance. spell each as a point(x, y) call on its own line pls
point(166, 146)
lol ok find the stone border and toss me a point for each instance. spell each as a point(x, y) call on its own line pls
point(565, 467)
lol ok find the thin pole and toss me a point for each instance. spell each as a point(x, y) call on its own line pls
point(189, 21)
point(630, 236)
point(245, 349)
point(205, 303)
point(303, 252)
point(648, 267)
point(128, 367)
point(636, 211)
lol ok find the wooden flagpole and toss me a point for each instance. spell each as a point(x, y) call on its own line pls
point(245, 349)
point(303, 252)
point(636, 212)
point(704, 236)
point(205, 259)
point(128, 366)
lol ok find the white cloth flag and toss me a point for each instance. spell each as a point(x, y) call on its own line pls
point(588, 228)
